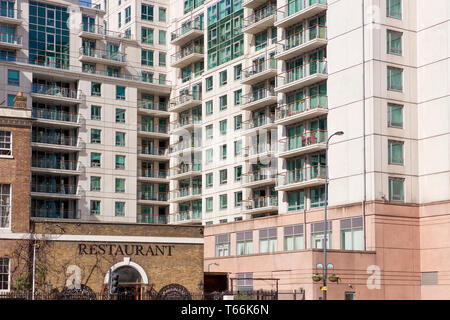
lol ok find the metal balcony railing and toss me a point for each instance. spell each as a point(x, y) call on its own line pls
point(55, 115)
point(185, 168)
point(256, 176)
point(10, 38)
point(301, 37)
point(261, 202)
point(259, 15)
point(301, 72)
point(54, 188)
point(56, 91)
point(155, 128)
point(55, 213)
point(259, 94)
point(150, 173)
point(102, 54)
point(185, 192)
point(185, 216)
point(259, 121)
point(308, 138)
point(152, 196)
point(153, 151)
point(185, 121)
point(299, 106)
point(296, 6)
point(302, 175)
point(58, 164)
point(189, 26)
point(55, 139)
point(150, 105)
point(176, 57)
point(259, 67)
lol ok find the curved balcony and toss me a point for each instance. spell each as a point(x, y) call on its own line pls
point(152, 130)
point(307, 142)
point(185, 101)
point(153, 153)
point(56, 94)
point(259, 98)
point(96, 8)
point(262, 122)
point(150, 197)
point(185, 194)
point(153, 175)
point(102, 56)
point(310, 176)
point(55, 117)
point(258, 178)
point(302, 76)
point(10, 41)
point(185, 123)
point(189, 31)
point(187, 56)
point(302, 42)
point(185, 170)
point(300, 110)
point(260, 20)
point(260, 205)
point(259, 72)
point(294, 13)
point(58, 166)
point(186, 217)
point(10, 15)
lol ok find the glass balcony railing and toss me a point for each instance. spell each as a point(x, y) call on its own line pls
point(296, 6)
point(180, 55)
point(102, 54)
point(150, 173)
point(184, 98)
point(154, 128)
point(261, 202)
point(149, 218)
point(150, 105)
point(185, 192)
point(152, 196)
point(302, 72)
point(61, 140)
point(55, 213)
point(185, 168)
point(185, 121)
point(58, 164)
point(55, 115)
point(300, 106)
point(302, 175)
point(10, 38)
point(185, 144)
point(186, 216)
point(259, 15)
point(56, 91)
point(89, 4)
point(308, 138)
point(301, 37)
point(256, 176)
point(92, 28)
point(258, 68)
point(258, 95)
point(259, 121)
point(187, 27)
point(258, 149)
point(153, 151)
point(54, 188)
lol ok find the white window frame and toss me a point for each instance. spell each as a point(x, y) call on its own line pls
point(10, 207)
point(10, 155)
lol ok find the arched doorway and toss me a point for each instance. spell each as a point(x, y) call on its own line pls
point(132, 280)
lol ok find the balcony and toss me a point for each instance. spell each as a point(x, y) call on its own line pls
point(294, 13)
point(185, 123)
point(263, 122)
point(10, 15)
point(153, 153)
point(259, 98)
point(253, 4)
point(309, 141)
point(56, 94)
point(89, 6)
point(300, 110)
point(185, 101)
point(302, 42)
point(153, 175)
point(259, 72)
point(148, 218)
point(55, 190)
point(302, 76)
point(102, 56)
point(261, 150)
point(59, 166)
point(312, 176)
point(189, 31)
point(186, 194)
point(92, 31)
point(151, 108)
point(259, 21)
point(185, 170)
point(149, 197)
point(152, 130)
point(187, 56)
point(50, 213)
point(56, 118)
point(260, 205)
point(43, 141)
point(185, 145)
point(258, 178)
point(10, 41)
point(186, 217)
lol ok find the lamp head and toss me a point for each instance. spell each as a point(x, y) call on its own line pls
point(339, 133)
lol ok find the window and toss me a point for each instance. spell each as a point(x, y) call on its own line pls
point(223, 245)
point(96, 89)
point(96, 136)
point(120, 93)
point(237, 148)
point(209, 107)
point(238, 199)
point(96, 112)
point(119, 208)
point(5, 143)
point(395, 116)
point(162, 14)
point(162, 59)
point(5, 205)
point(394, 42)
point(147, 12)
point(120, 162)
point(209, 155)
point(120, 115)
point(394, 8)
point(147, 57)
point(396, 189)
point(11, 98)
point(317, 197)
point(95, 207)
point(395, 79)
point(318, 235)
point(244, 281)
point(96, 160)
point(223, 127)
point(209, 204)
point(238, 122)
point(162, 77)
point(260, 40)
point(223, 176)
point(209, 131)
point(147, 35)
point(13, 77)
point(120, 185)
point(238, 72)
point(223, 152)
point(223, 102)
point(162, 37)
point(238, 97)
point(223, 201)
point(296, 200)
point(223, 78)
point(268, 240)
point(119, 19)
point(209, 83)
point(4, 274)
point(244, 242)
point(237, 173)
point(209, 180)
point(88, 67)
point(223, 221)
point(95, 184)
point(120, 139)
point(395, 152)
point(294, 237)
point(352, 234)
point(127, 14)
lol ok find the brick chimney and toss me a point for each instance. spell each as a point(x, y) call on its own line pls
point(20, 101)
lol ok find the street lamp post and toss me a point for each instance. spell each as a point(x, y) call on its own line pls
point(325, 224)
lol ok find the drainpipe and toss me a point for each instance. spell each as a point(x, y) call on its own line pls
point(364, 122)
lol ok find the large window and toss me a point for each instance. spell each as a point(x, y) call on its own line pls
point(96, 160)
point(209, 204)
point(268, 240)
point(120, 139)
point(147, 35)
point(162, 14)
point(4, 274)
point(5, 205)
point(120, 185)
point(5, 143)
point(394, 8)
point(294, 237)
point(96, 136)
point(395, 152)
point(120, 93)
point(13, 77)
point(296, 200)
point(95, 183)
point(96, 113)
point(244, 242)
point(352, 234)
point(119, 208)
point(244, 281)
point(127, 14)
point(95, 207)
point(223, 176)
point(317, 196)
point(147, 12)
point(223, 245)
point(318, 235)
point(147, 57)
